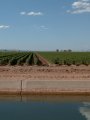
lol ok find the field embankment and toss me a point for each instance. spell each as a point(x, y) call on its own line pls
point(31, 73)
point(45, 80)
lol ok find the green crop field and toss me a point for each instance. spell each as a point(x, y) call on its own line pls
point(67, 58)
point(32, 58)
point(13, 58)
point(19, 58)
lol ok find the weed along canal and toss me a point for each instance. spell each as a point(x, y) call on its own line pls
point(44, 107)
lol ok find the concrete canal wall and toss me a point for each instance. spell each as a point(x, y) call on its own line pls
point(10, 86)
point(44, 87)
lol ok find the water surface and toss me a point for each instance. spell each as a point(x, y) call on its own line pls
point(45, 108)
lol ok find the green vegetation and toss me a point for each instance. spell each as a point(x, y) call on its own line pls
point(67, 58)
point(31, 58)
point(13, 58)
point(20, 58)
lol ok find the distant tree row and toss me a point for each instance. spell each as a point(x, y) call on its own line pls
point(69, 50)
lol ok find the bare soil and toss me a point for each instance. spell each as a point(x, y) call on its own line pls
point(45, 73)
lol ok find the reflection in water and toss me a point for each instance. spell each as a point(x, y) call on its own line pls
point(46, 98)
point(51, 107)
point(85, 110)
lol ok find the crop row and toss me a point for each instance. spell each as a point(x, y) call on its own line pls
point(11, 59)
point(42, 58)
point(20, 58)
point(67, 58)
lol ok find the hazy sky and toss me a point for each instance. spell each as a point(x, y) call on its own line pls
point(45, 24)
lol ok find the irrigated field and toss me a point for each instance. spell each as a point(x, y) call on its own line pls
point(21, 58)
point(67, 58)
point(43, 58)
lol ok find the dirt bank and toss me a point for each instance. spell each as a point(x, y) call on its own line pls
point(45, 80)
point(45, 73)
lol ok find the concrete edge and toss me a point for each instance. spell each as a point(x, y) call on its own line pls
point(20, 88)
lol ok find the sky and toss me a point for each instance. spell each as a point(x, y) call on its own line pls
point(45, 24)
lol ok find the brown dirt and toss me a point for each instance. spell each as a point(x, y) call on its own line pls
point(45, 73)
point(43, 61)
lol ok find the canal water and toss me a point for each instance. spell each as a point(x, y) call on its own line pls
point(44, 107)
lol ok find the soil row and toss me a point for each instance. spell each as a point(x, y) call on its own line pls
point(23, 59)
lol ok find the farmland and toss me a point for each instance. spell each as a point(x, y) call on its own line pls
point(67, 58)
point(44, 58)
point(21, 58)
